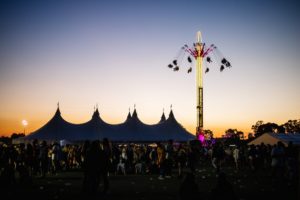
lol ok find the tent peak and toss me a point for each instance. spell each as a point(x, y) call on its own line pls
point(163, 117)
point(57, 113)
point(171, 115)
point(134, 114)
point(96, 113)
point(128, 116)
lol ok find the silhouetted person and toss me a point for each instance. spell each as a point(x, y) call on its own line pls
point(35, 159)
point(106, 155)
point(169, 159)
point(161, 157)
point(92, 169)
point(291, 164)
point(43, 158)
point(193, 155)
point(218, 154)
point(223, 189)
point(189, 188)
point(84, 150)
point(55, 157)
point(7, 175)
point(181, 160)
point(21, 167)
point(278, 160)
point(30, 158)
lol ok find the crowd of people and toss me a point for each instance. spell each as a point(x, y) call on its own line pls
point(100, 159)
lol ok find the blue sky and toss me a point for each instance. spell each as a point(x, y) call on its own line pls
point(115, 53)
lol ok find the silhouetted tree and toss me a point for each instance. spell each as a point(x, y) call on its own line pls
point(230, 133)
point(241, 135)
point(250, 136)
point(256, 125)
point(208, 134)
point(269, 128)
point(292, 126)
point(233, 136)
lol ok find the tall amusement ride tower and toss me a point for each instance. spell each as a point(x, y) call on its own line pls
point(199, 53)
point(199, 85)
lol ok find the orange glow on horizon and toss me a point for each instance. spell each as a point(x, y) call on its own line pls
point(13, 125)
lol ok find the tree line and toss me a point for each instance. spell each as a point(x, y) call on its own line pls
point(291, 126)
point(259, 128)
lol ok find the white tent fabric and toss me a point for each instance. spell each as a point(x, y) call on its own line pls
point(130, 130)
point(273, 138)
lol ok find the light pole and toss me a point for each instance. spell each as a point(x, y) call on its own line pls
point(25, 123)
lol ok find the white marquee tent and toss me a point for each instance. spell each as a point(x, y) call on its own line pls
point(273, 138)
point(132, 129)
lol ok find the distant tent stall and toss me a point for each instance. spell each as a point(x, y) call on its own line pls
point(58, 129)
point(273, 138)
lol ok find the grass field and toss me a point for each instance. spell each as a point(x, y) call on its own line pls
point(67, 185)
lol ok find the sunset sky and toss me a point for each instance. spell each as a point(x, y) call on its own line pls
point(115, 54)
